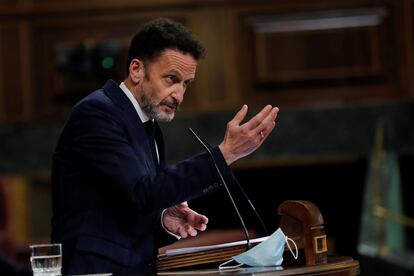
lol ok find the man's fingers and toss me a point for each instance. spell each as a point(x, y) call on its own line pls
point(194, 217)
point(191, 231)
point(238, 118)
point(268, 123)
point(203, 220)
point(266, 132)
point(201, 227)
point(259, 117)
point(187, 230)
point(199, 223)
point(182, 232)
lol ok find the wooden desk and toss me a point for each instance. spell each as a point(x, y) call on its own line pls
point(336, 266)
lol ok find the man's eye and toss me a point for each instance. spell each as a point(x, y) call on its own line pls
point(187, 83)
point(171, 79)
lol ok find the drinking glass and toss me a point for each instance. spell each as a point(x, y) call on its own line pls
point(46, 259)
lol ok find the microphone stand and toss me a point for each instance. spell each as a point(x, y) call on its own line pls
point(246, 197)
point(248, 245)
point(251, 205)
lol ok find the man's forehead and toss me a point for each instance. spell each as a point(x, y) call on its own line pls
point(173, 60)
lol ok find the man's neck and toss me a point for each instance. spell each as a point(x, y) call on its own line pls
point(127, 88)
point(128, 83)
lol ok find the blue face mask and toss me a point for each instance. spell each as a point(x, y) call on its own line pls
point(267, 253)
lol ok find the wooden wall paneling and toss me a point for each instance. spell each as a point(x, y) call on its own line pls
point(244, 61)
point(7, 5)
point(11, 79)
point(57, 92)
point(325, 49)
point(2, 88)
point(291, 53)
point(216, 81)
point(391, 51)
point(317, 55)
point(405, 23)
point(409, 6)
point(15, 188)
point(243, 64)
point(234, 73)
point(61, 8)
point(395, 50)
point(64, 7)
point(26, 76)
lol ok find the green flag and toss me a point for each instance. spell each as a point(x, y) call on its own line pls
point(382, 225)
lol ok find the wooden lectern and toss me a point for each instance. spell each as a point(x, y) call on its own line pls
point(301, 221)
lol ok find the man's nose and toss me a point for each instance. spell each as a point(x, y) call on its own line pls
point(178, 93)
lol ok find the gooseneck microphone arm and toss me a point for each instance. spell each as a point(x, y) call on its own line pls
point(251, 205)
point(246, 197)
point(224, 184)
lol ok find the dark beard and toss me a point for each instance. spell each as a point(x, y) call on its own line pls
point(150, 107)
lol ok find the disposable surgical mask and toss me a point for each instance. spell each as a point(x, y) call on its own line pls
point(267, 253)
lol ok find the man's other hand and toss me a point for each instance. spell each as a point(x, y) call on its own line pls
point(183, 221)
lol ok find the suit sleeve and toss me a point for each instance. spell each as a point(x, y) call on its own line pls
point(97, 135)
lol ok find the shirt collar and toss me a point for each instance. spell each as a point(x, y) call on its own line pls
point(144, 118)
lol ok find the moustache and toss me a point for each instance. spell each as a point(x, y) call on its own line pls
point(172, 103)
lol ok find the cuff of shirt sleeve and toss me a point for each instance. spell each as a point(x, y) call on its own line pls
point(165, 229)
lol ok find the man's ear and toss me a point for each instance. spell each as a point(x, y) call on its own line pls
point(136, 70)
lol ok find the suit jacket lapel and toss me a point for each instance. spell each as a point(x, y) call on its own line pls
point(115, 93)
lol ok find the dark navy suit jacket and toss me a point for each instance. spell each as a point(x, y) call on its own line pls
point(108, 193)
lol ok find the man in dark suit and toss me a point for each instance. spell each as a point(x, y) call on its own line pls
point(114, 200)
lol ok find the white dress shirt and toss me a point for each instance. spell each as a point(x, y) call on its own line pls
point(144, 118)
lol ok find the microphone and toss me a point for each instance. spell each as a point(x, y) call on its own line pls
point(248, 245)
point(246, 197)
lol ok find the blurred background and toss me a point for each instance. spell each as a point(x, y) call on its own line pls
point(341, 72)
